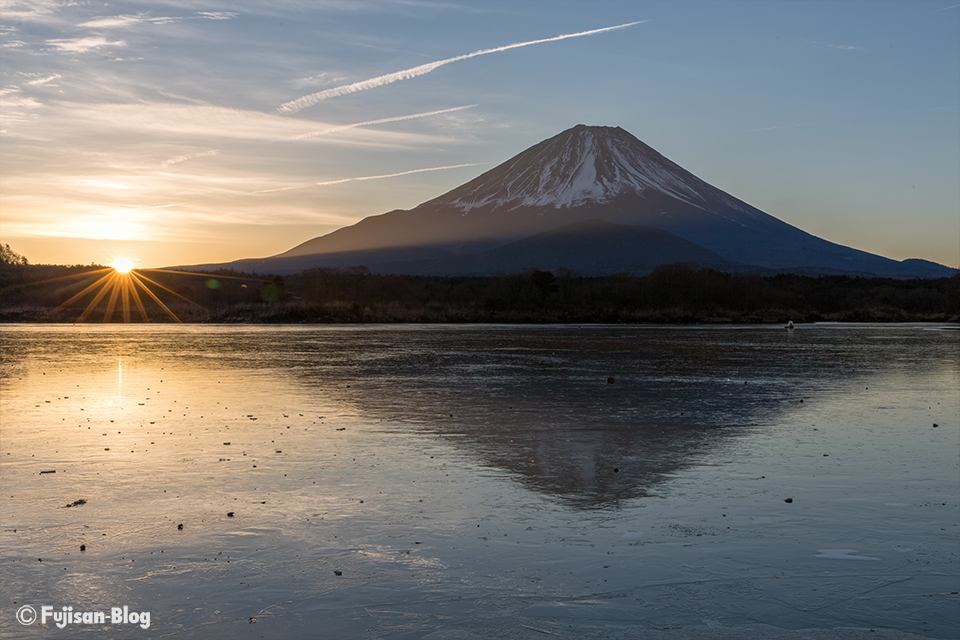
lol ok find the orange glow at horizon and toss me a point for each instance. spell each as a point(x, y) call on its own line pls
point(121, 283)
point(122, 265)
point(123, 287)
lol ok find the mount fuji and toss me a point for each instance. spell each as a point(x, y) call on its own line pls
point(593, 199)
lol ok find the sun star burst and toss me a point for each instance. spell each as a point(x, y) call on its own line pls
point(122, 265)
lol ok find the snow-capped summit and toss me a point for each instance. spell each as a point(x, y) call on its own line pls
point(578, 166)
point(530, 212)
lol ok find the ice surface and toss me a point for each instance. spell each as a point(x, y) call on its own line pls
point(483, 481)
point(842, 554)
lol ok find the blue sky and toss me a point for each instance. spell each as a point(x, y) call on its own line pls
point(157, 130)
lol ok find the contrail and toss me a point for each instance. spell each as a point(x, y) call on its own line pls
point(394, 175)
point(312, 99)
point(386, 175)
point(191, 156)
point(298, 186)
point(324, 132)
point(159, 206)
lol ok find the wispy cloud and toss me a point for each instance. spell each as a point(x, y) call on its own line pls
point(129, 20)
point(98, 217)
point(82, 45)
point(11, 97)
point(159, 206)
point(189, 156)
point(28, 10)
point(358, 179)
point(42, 81)
point(325, 77)
point(210, 125)
point(307, 101)
point(217, 15)
point(344, 127)
point(108, 22)
point(322, 77)
point(829, 45)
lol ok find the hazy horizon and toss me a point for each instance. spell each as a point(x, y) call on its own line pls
point(185, 134)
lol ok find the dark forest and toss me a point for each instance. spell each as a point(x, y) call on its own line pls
point(675, 293)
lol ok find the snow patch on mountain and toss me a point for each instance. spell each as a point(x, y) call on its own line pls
point(583, 165)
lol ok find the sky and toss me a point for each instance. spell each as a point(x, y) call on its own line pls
point(179, 132)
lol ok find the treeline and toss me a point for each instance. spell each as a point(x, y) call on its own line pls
point(9, 256)
point(674, 293)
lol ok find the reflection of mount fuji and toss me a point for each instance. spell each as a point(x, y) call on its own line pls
point(535, 402)
point(593, 199)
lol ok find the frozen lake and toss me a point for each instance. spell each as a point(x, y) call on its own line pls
point(453, 482)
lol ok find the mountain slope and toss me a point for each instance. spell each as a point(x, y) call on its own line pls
point(584, 173)
point(589, 248)
point(581, 174)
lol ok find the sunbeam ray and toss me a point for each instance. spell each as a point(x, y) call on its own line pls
point(75, 276)
point(96, 300)
point(204, 275)
point(140, 276)
point(84, 292)
point(118, 283)
point(136, 279)
point(126, 300)
point(118, 286)
point(136, 298)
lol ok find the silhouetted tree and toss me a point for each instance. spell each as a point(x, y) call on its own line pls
point(564, 279)
point(9, 256)
point(545, 284)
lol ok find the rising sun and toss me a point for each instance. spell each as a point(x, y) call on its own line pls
point(119, 286)
point(122, 265)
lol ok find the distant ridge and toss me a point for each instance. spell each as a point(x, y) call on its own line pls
point(575, 183)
